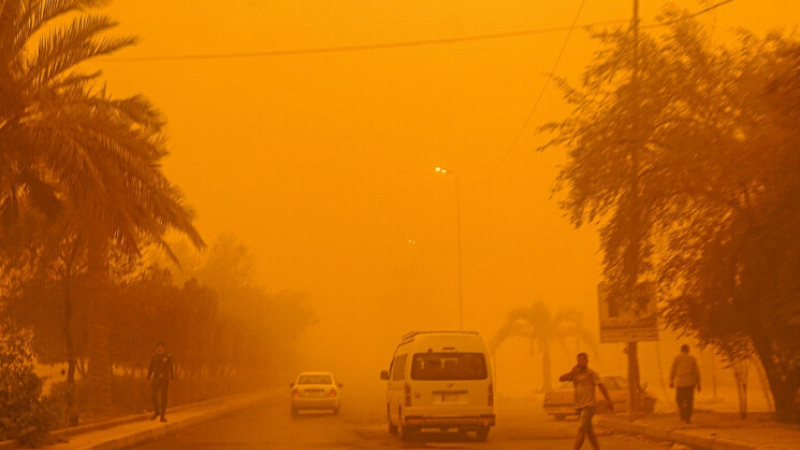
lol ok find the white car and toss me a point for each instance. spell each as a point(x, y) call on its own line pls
point(315, 391)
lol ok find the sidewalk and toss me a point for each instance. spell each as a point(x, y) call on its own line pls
point(136, 430)
point(710, 430)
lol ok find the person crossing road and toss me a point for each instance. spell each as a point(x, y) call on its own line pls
point(585, 381)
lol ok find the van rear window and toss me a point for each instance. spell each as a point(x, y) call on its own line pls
point(448, 366)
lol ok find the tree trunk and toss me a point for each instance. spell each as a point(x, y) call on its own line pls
point(547, 369)
point(740, 373)
point(762, 379)
point(100, 369)
point(783, 386)
point(72, 412)
point(632, 258)
point(634, 384)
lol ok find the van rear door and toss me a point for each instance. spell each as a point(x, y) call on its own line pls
point(451, 379)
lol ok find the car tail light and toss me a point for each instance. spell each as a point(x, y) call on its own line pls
point(332, 393)
point(491, 394)
point(408, 394)
point(295, 393)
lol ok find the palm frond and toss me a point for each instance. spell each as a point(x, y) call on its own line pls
point(80, 81)
point(9, 14)
point(42, 195)
point(75, 150)
point(111, 165)
point(41, 12)
point(66, 47)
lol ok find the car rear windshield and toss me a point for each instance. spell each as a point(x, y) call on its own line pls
point(314, 379)
point(448, 366)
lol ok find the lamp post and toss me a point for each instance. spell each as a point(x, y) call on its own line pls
point(458, 234)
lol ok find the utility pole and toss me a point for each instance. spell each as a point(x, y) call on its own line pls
point(631, 260)
point(444, 171)
point(460, 287)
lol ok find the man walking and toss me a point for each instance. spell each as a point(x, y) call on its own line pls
point(160, 375)
point(585, 380)
point(686, 374)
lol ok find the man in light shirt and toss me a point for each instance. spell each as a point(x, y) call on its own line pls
point(585, 380)
point(685, 373)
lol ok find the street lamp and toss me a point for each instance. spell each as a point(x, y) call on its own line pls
point(458, 232)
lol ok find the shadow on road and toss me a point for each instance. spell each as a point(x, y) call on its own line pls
point(438, 437)
point(313, 415)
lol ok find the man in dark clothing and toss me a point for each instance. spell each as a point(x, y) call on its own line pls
point(160, 375)
point(685, 375)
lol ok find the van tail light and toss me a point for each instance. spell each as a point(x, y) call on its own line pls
point(491, 394)
point(295, 393)
point(333, 393)
point(408, 394)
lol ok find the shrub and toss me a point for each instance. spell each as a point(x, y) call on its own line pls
point(25, 414)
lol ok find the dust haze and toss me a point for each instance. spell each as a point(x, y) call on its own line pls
point(305, 136)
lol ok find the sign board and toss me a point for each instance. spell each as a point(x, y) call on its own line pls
point(637, 322)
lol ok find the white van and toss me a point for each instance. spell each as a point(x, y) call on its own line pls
point(442, 380)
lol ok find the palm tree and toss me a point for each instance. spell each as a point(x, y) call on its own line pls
point(67, 148)
point(542, 329)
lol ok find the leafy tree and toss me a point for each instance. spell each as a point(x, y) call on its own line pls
point(733, 259)
point(542, 328)
point(46, 296)
point(70, 149)
point(256, 327)
point(717, 185)
point(611, 178)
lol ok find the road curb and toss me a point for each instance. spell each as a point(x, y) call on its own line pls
point(151, 435)
point(673, 435)
point(171, 428)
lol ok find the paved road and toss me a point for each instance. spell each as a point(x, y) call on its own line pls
point(272, 427)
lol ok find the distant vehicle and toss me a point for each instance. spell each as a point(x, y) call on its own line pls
point(315, 391)
point(440, 380)
point(560, 403)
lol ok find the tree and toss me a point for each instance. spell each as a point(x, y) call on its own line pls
point(610, 177)
point(542, 328)
point(737, 284)
point(717, 186)
point(46, 296)
point(71, 149)
point(256, 326)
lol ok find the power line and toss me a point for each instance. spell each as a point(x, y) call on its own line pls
point(355, 48)
point(710, 8)
point(695, 14)
point(539, 98)
point(550, 77)
point(384, 46)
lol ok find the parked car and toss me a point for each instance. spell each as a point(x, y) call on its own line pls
point(440, 380)
point(560, 403)
point(315, 391)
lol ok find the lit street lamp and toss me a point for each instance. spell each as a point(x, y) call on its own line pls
point(458, 232)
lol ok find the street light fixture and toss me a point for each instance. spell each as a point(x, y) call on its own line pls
point(458, 232)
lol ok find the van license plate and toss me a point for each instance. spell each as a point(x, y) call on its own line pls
point(450, 398)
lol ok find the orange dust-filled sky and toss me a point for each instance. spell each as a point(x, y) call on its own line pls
point(322, 163)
